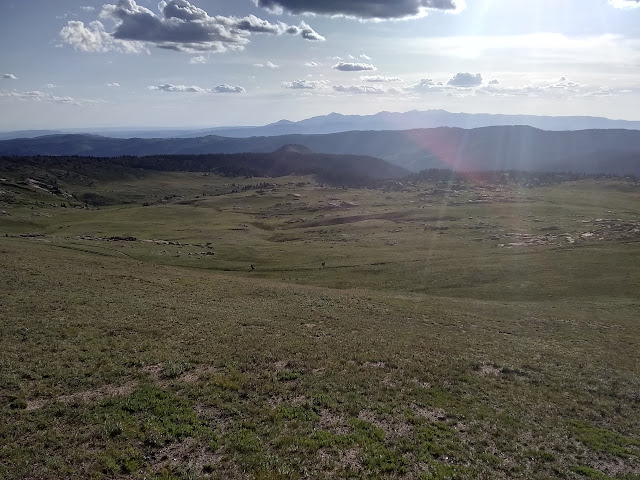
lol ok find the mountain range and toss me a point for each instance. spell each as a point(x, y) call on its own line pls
point(335, 123)
point(480, 149)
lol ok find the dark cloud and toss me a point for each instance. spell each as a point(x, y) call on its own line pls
point(353, 67)
point(363, 9)
point(465, 80)
point(224, 88)
point(180, 26)
point(306, 84)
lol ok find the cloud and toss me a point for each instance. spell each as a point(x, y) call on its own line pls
point(306, 32)
point(94, 38)
point(200, 59)
point(113, 85)
point(312, 64)
point(465, 80)
point(87, 9)
point(560, 89)
point(365, 89)
point(38, 96)
point(494, 82)
point(426, 85)
point(365, 57)
point(306, 84)
point(9, 76)
point(266, 65)
point(362, 9)
point(624, 4)
point(379, 78)
point(353, 67)
point(224, 88)
point(179, 26)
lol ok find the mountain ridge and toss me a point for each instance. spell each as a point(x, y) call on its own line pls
point(487, 148)
point(337, 122)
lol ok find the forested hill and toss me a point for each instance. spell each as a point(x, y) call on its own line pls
point(489, 148)
point(290, 160)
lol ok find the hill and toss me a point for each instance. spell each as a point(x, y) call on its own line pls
point(290, 160)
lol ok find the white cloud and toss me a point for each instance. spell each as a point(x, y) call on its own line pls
point(9, 76)
point(353, 67)
point(39, 96)
point(94, 38)
point(624, 4)
point(306, 84)
point(113, 85)
point(365, 57)
point(365, 89)
point(379, 78)
point(465, 80)
point(224, 88)
point(180, 26)
point(266, 65)
point(427, 85)
point(200, 59)
point(87, 8)
point(560, 89)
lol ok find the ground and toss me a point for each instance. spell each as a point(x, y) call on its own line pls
point(205, 327)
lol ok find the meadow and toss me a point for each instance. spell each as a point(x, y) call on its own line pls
point(183, 325)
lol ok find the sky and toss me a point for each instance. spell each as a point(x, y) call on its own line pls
point(208, 63)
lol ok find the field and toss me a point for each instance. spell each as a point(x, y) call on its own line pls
point(193, 326)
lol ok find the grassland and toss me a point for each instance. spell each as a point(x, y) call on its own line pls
point(207, 327)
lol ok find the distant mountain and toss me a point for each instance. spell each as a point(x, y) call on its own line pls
point(488, 148)
point(335, 123)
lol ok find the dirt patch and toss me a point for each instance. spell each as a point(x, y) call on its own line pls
point(334, 422)
point(86, 396)
point(36, 404)
point(392, 427)
point(433, 414)
point(488, 369)
point(280, 365)
point(154, 371)
point(99, 393)
point(343, 460)
point(374, 365)
point(187, 454)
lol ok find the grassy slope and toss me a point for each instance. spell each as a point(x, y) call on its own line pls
point(422, 349)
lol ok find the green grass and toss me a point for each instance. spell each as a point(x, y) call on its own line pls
point(415, 351)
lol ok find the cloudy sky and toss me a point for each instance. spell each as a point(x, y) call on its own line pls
point(191, 63)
